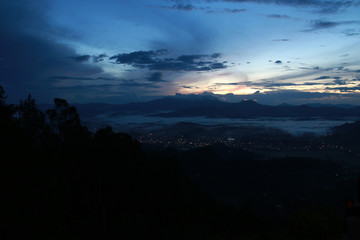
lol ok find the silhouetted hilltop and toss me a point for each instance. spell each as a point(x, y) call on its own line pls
point(174, 103)
point(347, 134)
point(251, 109)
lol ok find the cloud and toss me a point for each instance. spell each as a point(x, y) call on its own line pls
point(138, 57)
point(99, 58)
point(154, 60)
point(319, 24)
point(189, 87)
point(27, 43)
point(230, 84)
point(271, 84)
point(278, 16)
point(312, 83)
point(274, 84)
point(335, 6)
point(234, 10)
point(351, 32)
point(281, 40)
point(216, 55)
point(87, 87)
point(81, 58)
point(190, 58)
point(182, 66)
point(184, 7)
point(322, 78)
point(224, 10)
point(345, 89)
point(356, 78)
point(339, 82)
point(262, 84)
point(59, 78)
point(133, 84)
point(156, 77)
point(322, 24)
point(322, 6)
point(214, 66)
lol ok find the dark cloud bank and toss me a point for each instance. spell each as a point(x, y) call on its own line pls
point(322, 6)
point(30, 55)
point(33, 61)
point(156, 60)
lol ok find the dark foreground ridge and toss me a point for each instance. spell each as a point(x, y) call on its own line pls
point(61, 181)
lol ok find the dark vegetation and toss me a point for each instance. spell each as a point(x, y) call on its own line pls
point(60, 181)
point(347, 134)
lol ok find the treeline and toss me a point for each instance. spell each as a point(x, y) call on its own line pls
point(60, 181)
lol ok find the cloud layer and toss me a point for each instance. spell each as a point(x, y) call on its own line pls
point(112, 50)
point(155, 60)
point(29, 56)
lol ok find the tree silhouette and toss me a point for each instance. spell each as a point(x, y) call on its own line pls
point(2, 95)
point(65, 121)
point(6, 111)
point(30, 117)
point(63, 117)
point(9, 127)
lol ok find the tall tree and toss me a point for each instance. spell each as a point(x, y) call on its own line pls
point(6, 110)
point(30, 117)
point(65, 121)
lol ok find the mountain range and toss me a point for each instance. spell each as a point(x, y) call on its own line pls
point(211, 107)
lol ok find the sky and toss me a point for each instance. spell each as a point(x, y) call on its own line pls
point(118, 51)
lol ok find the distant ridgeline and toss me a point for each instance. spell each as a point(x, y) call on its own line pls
point(213, 108)
point(62, 182)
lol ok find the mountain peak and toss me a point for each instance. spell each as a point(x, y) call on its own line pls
point(249, 101)
point(195, 97)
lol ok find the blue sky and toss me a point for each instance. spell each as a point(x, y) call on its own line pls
point(119, 51)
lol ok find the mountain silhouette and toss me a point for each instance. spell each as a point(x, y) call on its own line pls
point(209, 106)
